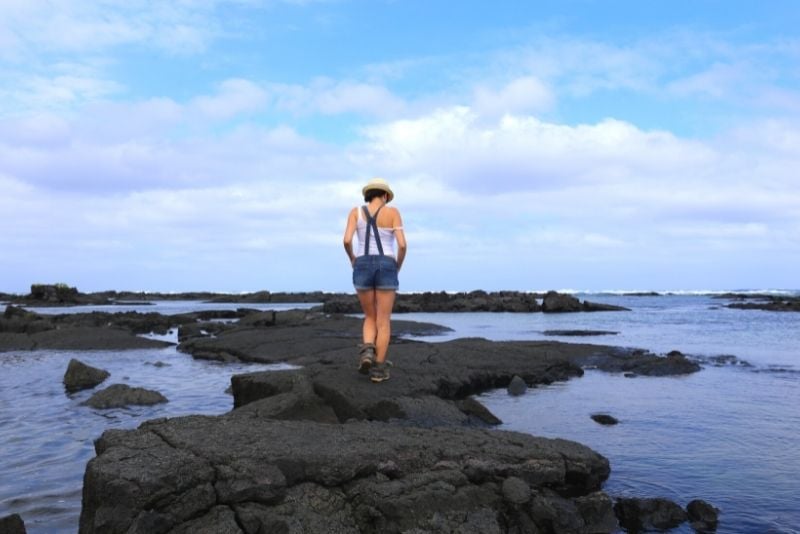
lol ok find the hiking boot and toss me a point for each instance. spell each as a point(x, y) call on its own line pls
point(379, 372)
point(366, 357)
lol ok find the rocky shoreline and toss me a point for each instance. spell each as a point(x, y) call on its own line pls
point(61, 295)
point(321, 449)
point(764, 302)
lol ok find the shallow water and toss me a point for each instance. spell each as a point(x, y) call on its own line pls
point(694, 324)
point(46, 436)
point(727, 435)
point(172, 307)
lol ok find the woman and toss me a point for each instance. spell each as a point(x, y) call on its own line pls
point(375, 269)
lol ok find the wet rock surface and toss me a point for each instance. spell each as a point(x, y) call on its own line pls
point(25, 330)
point(80, 376)
point(121, 395)
point(430, 382)
point(292, 476)
point(320, 448)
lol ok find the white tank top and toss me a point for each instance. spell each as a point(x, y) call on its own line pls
point(386, 236)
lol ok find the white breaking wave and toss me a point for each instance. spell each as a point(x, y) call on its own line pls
point(677, 292)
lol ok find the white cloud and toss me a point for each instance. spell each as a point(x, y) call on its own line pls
point(524, 153)
point(673, 65)
point(581, 66)
point(272, 201)
point(235, 96)
point(718, 81)
point(358, 97)
point(30, 92)
point(520, 96)
point(63, 26)
point(330, 97)
point(30, 27)
point(111, 153)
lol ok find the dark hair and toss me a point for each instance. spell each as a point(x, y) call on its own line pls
point(372, 193)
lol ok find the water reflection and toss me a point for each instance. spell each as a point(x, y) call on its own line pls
point(47, 436)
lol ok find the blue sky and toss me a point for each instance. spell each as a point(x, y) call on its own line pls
point(218, 144)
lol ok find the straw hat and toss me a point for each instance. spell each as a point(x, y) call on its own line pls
point(380, 184)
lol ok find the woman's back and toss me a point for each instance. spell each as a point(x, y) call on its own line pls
point(387, 216)
point(387, 222)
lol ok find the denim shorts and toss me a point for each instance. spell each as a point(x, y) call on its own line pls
point(375, 272)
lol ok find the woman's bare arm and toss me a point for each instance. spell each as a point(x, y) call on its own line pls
point(400, 236)
point(349, 231)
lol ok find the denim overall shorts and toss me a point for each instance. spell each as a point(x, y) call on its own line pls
point(374, 271)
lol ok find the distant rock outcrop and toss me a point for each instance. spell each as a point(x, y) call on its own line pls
point(54, 293)
point(474, 301)
point(767, 302)
point(554, 302)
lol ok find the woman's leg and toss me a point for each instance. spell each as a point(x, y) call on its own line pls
point(384, 302)
point(369, 329)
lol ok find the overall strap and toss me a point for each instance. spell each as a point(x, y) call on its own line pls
point(372, 224)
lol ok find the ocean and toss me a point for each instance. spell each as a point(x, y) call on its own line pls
point(728, 434)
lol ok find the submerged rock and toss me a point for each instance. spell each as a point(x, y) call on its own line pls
point(517, 386)
point(703, 516)
point(727, 359)
point(12, 524)
point(579, 333)
point(80, 376)
point(598, 512)
point(637, 514)
point(120, 395)
point(604, 419)
point(642, 363)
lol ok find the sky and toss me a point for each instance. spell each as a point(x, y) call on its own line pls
point(219, 144)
